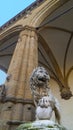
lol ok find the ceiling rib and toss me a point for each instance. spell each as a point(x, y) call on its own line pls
point(66, 52)
point(67, 76)
point(54, 28)
point(56, 17)
point(3, 49)
point(2, 55)
point(51, 57)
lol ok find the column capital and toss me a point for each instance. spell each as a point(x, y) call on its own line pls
point(28, 31)
point(29, 28)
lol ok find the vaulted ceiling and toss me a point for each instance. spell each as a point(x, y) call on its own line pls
point(56, 43)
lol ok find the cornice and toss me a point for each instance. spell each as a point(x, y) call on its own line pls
point(15, 29)
point(10, 31)
point(21, 14)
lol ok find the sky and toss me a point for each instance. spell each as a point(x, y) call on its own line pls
point(8, 9)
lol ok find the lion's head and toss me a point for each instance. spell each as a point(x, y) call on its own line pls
point(44, 102)
point(39, 77)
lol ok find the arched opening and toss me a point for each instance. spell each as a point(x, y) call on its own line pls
point(2, 77)
point(8, 43)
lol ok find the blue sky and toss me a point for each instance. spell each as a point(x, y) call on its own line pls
point(8, 9)
point(2, 77)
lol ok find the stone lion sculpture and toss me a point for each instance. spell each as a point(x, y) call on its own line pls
point(38, 82)
point(39, 77)
point(43, 98)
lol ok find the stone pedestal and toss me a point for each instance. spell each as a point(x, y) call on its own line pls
point(41, 125)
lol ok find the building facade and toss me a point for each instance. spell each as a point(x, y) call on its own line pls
point(40, 35)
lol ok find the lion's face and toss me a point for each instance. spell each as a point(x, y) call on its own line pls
point(39, 76)
point(44, 102)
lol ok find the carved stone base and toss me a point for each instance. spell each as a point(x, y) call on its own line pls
point(41, 125)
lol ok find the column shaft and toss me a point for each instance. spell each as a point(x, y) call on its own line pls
point(29, 62)
point(18, 105)
point(15, 67)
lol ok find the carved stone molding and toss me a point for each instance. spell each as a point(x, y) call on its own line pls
point(26, 31)
point(17, 100)
point(14, 122)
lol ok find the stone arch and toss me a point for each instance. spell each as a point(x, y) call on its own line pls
point(6, 44)
point(11, 31)
point(44, 11)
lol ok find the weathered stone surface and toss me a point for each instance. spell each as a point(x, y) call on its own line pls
point(3, 125)
point(41, 125)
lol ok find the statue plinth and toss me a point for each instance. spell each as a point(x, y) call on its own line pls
point(41, 125)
